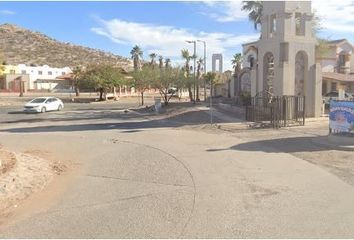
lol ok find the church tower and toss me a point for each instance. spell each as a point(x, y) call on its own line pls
point(286, 53)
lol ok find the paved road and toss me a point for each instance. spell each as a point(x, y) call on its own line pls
point(137, 177)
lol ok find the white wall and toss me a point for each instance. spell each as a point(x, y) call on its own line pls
point(33, 72)
point(328, 65)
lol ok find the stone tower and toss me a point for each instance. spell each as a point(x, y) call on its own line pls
point(286, 53)
point(214, 58)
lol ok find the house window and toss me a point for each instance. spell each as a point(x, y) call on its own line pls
point(251, 61)
point(273, 23)
point(342, 59)
point(40, 72)
point(299, 25)
point(333, 86)
point(50, 73)
point(23, 71)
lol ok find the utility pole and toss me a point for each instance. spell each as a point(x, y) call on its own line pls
point(205, 70)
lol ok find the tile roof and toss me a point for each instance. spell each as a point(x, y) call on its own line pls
point(338, 76)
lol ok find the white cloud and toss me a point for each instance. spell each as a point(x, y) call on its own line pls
point(168, 41)
point(336, 16)
point(229, 11)
point(7, 12)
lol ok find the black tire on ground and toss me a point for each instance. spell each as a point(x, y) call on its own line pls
point(43, 110)
point(60, 107)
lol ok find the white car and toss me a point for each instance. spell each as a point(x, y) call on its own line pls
point(44, 104)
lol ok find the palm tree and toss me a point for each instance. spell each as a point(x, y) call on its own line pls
point(255, 11)
point(236, 63)
point(187, 57)
point(77, 76)
point(210, 78)
point(160, 61)
point(152, 56)
point(167, 62)
point(199, 64)
point(136, 54)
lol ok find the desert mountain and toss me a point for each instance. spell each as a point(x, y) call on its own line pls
point(19, 45)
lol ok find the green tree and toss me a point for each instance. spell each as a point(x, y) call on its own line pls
point(236, 63)
point(167, 78)
point(104, 78)
point(143, 79)
point(160, 62)
point(210, 78)
point(187, 57)
point(255, 11)
point(199, 66)
point(152, 57)
point(136, 54)
point(78, 74)
point(167, 62)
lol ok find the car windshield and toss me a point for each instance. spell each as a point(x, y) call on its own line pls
point(38, 100)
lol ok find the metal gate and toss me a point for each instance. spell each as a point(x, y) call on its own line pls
point(276, 112)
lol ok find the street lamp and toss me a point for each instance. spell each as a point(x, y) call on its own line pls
point(194, 57)
point(205, 71)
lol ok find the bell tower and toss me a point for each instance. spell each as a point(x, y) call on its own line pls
point(286, 53)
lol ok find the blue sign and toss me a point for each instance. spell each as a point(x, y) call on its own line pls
point(341, 116)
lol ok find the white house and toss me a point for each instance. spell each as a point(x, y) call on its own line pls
point(41, 73)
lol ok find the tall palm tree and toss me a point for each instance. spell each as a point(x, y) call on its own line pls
point(160, 61)
point(199, 64)
point(255, 11)
point(210, 78)
point(137, 55)
point(236, 63)
point(187, 57)
point(152, 56)
point(77, 75)
point(167, 62)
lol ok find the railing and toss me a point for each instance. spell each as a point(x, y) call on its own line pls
point(276, 112)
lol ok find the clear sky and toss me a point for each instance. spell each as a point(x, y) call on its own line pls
point(160, 27)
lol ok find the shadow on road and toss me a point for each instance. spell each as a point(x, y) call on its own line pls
point(189, 118)
point(284, 145)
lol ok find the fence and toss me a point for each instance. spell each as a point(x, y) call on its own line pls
point(276, 112)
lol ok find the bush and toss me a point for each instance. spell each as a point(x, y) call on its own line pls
point(245, 98)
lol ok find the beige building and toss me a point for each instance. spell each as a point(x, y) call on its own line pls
point(337, 63)
point(282, 62)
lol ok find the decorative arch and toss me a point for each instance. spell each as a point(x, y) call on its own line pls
point(251, 61)
point(268, 72)
point(245, 80)
point(301, 72)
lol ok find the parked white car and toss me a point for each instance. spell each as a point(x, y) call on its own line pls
point(44, 104)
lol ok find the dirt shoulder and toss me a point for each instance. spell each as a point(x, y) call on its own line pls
point(23, 174)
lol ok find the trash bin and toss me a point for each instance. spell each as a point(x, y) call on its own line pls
point(157, 104)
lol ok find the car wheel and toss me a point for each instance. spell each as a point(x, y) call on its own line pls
point(43, 110)
point(60, 107)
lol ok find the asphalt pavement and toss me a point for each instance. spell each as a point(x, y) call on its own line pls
point(140, 176)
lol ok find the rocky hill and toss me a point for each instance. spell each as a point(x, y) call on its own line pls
point(19, 45)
